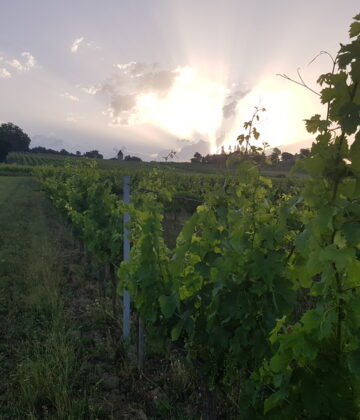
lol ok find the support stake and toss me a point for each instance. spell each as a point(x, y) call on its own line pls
point(126, 257)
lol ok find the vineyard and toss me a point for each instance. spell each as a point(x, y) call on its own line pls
point(40, 159)
point(258, 291)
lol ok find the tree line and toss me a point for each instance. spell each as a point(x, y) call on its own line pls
point(233, 155)
point(14, 139)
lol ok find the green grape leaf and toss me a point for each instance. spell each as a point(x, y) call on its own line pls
point(315, 124)
point(256, 134)
point(279, 362)
point(324, 220)
point(176, 331)
point(354, 29)
point(327, 95)
point(355, 69)
point(309, 393)
point(353, 270)
point(311, 320)
point(351, 231)
point(354, 362)
point(274, 400)
point(168, 305)
point(350, 117)
point(348, 53)
point(354, 155)
point(303, 347)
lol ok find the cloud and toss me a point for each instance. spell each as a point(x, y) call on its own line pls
point(16, 64)
point(182, 141)
point(128, 84)
point(49, 141)
point(188, 151)
point(132, 81)
point(4, 74)
point(76, 44)
point(91, 90)
point(30, 60)
point(126, 66)
point(159, 82)
point(23, 65)
point(180, 101)
point(120, 109)
point(70, 97)
point(184, 153)
point(229, 109)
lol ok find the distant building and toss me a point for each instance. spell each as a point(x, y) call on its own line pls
point(120, 155)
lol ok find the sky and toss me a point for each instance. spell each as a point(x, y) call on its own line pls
point(150, 76)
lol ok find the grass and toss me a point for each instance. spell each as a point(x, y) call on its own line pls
point(15, 170)
point(37, 352)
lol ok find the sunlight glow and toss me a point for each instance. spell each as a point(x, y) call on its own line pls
point(282, 123)
point(193, 106)
point(193, 109)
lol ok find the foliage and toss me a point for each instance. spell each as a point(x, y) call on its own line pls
point(252, 133)
point(146, 276)
point(286, 156)
point(12, 138)
point(93, 154)
point(315, 369)
point(197, 158)
point(87, 200)
point(11, 170)
point(129, 158)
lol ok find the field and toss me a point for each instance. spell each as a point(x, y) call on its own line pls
point(60, 347)
point(236, 280)
point(38, 159)
point(180, 291)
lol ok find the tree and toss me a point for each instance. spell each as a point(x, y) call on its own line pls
point(93, 154)
point(304, 152)
point(12, 139)
point(197, 158)
point(129, 158)
point(39, 149)
point(275, 155)
point(286, 156)
point(120, 155)
point(4, 150)
point(64, 152)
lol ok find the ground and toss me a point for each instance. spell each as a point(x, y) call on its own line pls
point(61, 353)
